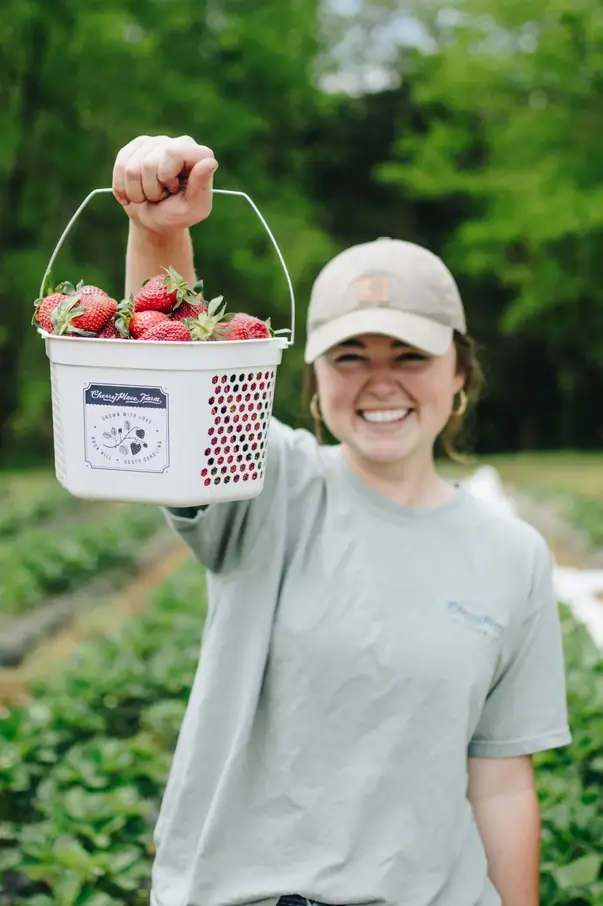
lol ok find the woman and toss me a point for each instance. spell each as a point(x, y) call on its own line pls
point(382, 654)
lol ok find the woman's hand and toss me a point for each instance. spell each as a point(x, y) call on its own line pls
point(164, 184)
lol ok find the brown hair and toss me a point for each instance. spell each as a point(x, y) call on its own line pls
point(468, 364)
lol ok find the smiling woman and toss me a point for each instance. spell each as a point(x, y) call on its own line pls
point(383, 650)
point(386, 402)
point(391, 367)
point(362, 349)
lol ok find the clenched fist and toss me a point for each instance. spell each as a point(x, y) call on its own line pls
point(165, 184)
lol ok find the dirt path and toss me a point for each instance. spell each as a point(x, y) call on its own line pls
point(99, 620)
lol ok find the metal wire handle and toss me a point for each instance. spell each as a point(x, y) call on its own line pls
point(94, 192)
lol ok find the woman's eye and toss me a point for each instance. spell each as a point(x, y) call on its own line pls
point(349, 357)
point(412, 357)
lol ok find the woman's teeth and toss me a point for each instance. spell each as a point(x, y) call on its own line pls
point(382, 416)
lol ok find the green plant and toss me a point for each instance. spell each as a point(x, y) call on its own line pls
point(19, 513)
point(586, 515)
point(39, 563)
point(83, 768)
point(569, 783)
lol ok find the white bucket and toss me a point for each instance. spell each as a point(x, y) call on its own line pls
point(164, 423)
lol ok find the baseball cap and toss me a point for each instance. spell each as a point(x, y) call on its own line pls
point(387, 286)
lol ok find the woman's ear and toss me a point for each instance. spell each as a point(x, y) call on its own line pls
point(460, 380)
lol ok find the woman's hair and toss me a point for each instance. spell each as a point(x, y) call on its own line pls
point(467, 364)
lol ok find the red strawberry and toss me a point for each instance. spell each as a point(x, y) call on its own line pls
point(187, 310)
point(168, 330)
point(206, 325)
point(110, 331)
point(132, 323)
point(163, 292)
point(43, 309)
point(125, 310)
point(245, 327)
point(85, 289)
point(85, 316)
point(142, 321)
point(155, 296)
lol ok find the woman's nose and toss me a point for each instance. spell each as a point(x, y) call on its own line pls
point(382, 382)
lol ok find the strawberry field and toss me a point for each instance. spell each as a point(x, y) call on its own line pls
point(40, 562)
point(83, 764)
point(57, 554)
point(19, 511)
point(83, 767)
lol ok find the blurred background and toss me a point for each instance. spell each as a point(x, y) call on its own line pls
point(474, 129)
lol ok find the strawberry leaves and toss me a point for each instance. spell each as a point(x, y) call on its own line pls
point(205, 327)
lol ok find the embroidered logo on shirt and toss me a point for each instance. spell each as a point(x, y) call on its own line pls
point(482, 623)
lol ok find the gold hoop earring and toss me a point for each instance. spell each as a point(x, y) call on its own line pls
point(462, 407)
point(315, 409)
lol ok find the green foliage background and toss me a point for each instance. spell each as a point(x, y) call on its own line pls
point(481, 142)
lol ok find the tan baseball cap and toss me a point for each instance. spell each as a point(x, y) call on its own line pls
point(388, 286)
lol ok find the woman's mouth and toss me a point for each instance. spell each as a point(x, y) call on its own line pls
point(384, 416)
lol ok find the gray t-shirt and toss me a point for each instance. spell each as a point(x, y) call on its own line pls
point(355, 653)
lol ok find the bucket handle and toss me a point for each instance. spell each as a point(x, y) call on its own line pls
point(94, 192)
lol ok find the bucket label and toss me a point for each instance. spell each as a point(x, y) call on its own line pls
point(126, 428)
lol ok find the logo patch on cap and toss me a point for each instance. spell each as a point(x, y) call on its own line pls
point(373, 290)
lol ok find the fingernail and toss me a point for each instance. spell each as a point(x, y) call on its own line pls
point(214, 167)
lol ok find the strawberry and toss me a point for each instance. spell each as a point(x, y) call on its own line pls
point(131, 323)
point(43, 309)
point(85, 316)
point(164, 292)
point(84, 289)
point(206, 325)
point(188, 310)
point(169, 331)
point(123, 316)
point(245, 327)
point(155, 296)
point(141, 321)
point(110, 331)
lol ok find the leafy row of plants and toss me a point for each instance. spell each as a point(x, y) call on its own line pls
point(570, 781)
point(82, 770)
point(40, 563)
point(587, 515)
point(18, 512)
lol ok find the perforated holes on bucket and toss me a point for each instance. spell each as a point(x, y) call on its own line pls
point(240, 406)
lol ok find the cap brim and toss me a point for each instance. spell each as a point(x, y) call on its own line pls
point(422, 333)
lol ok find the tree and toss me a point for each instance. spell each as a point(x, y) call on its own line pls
point(233, 74)
point(513, 95)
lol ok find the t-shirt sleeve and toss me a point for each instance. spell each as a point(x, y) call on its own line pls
point(526, 709)
point(222, 535)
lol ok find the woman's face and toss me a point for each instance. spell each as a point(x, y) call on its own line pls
point(384, 401)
